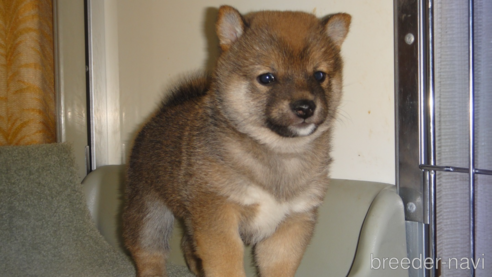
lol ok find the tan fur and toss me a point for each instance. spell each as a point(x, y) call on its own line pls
point(218, 243)
point(149, 264)
point(235, 158)
point(278, 255)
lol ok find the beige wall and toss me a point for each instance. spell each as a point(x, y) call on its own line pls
point(160, 40)
point(104, 80)
point(70, 78)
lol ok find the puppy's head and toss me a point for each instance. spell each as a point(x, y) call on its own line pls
point(279, 76)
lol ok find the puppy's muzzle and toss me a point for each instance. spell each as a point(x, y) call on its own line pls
point(303, 108)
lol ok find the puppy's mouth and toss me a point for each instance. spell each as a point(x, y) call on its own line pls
point(303, 128)
point(300, 129)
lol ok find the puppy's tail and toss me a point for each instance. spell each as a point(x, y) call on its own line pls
point(147, 226)
point(158, 227)
point(190, 88)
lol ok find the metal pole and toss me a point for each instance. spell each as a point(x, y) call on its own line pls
point(431, 154)
point(471, 81)
point(91, 153)
point(430, 139)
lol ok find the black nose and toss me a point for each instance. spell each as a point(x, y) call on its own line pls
point(303, 108)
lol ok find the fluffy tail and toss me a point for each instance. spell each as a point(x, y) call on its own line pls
point(147, 228)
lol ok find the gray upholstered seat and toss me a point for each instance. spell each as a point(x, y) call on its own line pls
point(45, 226)
point(359, 223)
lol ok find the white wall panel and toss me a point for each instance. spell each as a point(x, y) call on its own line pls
point(159, 41)
point(70, 78)
point(104, 83)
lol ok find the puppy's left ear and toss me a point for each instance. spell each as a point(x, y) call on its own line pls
point(337, 27)
point(229, 26)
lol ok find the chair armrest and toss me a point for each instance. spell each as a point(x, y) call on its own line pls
point(356, 219)
point(103, 192)
point(382, 239)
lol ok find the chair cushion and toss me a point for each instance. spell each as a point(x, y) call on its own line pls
point(45, 228)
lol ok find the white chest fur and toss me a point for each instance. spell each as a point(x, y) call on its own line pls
point(257, 170)
point(271, 212)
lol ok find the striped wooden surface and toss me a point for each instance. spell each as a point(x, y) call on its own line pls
point(27, 89)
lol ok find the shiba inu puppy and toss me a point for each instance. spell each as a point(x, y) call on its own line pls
point(242, 156)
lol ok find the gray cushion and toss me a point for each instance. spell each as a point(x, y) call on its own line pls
point(45, 229)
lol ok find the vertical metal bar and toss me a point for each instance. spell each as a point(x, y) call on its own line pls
point(430, 89)
point(427, 126)
point(425, 243)
point(423, 133)
point(415, 232)
point(422, 53)
point(412, 124)
point(471, 81)
point(87, 160)
point(396, 23)
point(432, 240)
point(431, 140)
point(409, 175)
point(431, 126)
point(89, 84)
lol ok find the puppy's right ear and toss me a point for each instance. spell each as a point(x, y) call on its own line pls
point(337, 27)
point(229, 26)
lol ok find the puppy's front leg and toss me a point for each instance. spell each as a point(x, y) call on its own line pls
point(281, 253)
point(218, 243)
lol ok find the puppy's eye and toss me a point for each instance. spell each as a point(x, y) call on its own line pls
point(320, 76)
point(266, 79)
